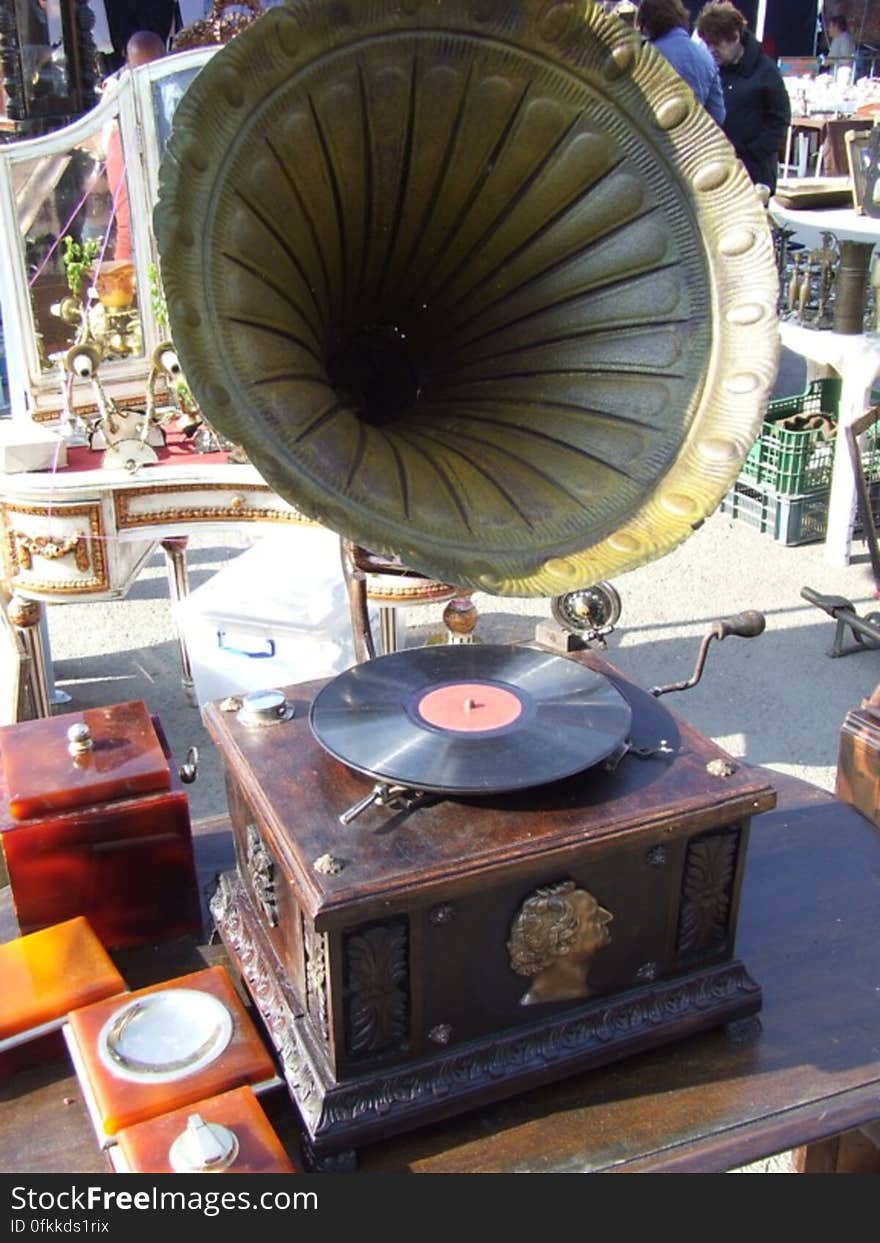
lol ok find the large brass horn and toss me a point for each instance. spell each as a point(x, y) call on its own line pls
point(476, 283)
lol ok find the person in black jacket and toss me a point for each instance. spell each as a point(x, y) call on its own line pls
point(757, 103)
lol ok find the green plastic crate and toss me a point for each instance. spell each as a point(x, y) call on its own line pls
point(788, 519)
point(795, 463)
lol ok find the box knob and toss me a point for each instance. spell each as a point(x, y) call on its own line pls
point(203, 1147)
point(79, 739)
point(265, 708)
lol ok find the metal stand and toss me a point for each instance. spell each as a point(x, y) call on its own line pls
point(865, 630)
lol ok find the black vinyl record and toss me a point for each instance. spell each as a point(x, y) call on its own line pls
point(470, 719)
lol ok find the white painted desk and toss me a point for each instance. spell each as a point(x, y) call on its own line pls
point(84, 534)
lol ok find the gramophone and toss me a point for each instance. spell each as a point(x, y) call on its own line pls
point(481, 287)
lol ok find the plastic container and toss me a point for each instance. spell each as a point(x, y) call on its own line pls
point(788, 519)
point(795, 463)
point(276, 615)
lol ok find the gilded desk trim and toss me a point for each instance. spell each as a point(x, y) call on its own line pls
point(237, 510)
point(21, 558)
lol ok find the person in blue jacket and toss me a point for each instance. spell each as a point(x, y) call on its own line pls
point(665, 24)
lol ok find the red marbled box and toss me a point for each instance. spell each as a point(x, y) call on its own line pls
point(106, 835)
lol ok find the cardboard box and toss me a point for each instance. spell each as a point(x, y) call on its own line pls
point(26, 447)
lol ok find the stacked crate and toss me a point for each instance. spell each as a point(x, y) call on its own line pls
point(784, 483)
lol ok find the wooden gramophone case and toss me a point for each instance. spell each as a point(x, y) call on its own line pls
point(379, 955)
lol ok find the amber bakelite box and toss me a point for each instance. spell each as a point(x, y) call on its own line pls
point(148, 1147)
point(136, 1063)
point(42, 977)
point(94, 821)
point(49, 973)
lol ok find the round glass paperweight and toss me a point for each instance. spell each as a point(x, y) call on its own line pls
point(164, 1036)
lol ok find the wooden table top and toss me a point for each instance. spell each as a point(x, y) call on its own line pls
point(809, 933)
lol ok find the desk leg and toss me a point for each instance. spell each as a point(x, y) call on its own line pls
point(174, 549)
point(26, 616)
point(855, 397)
point(56, 696)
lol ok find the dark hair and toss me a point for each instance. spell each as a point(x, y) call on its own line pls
point(838, 20)
point(658, 17)
point(720, 21)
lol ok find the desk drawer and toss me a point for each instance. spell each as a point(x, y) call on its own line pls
point(193, 503)
point(56, 548)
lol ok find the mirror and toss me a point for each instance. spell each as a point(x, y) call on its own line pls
point(166, 95)
point(74, 219)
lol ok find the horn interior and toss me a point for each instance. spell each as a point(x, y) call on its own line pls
point(477, 284)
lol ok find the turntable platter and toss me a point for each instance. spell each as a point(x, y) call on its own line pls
point(470, 719)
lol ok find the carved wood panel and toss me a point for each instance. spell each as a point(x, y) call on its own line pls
point(376, 972)
point(262, 874)
point(315, 954)
point(707, 893)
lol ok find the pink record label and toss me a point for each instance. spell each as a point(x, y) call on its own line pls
point(469, 707)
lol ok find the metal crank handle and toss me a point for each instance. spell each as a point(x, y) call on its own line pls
point(189, 770)
point(748, 625)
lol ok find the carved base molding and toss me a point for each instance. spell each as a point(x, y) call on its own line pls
point(339, 1116)
point(257, 963)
